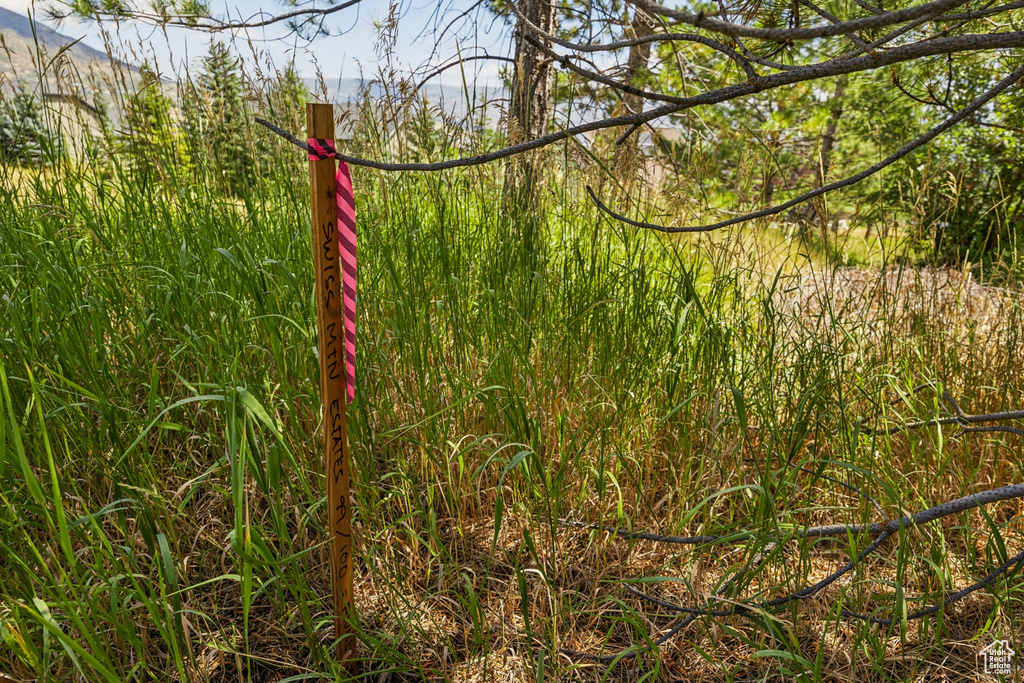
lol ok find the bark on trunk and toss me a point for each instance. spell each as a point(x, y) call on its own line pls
point(636, 65)
point(531, 80)
point(529, 107)
point(811, 213)
point(828, 140)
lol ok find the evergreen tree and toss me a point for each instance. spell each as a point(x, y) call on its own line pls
point(285, 104)
point(152, 140)
point(220, 114)
point(24, 135)
point(286, 99)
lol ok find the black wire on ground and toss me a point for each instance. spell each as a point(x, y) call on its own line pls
point(884, 531)
point(959, 417)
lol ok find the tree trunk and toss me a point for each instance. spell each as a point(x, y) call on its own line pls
point(626, 155)
point(828, 140)
point(529, 108)
point(531, 80)
point(812, 212)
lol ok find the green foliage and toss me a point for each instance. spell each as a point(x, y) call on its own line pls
point(149, 112)
point(426, 138)
point(286, 98)
point(24, 135)
point(977, 204)
point(90, 9)
point(960, 197)
point(152, 140)
point(218, 118)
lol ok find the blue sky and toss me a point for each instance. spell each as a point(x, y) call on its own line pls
point(345, 56)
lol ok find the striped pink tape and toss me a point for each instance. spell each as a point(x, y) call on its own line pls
point(347, 252)
point(318, 151)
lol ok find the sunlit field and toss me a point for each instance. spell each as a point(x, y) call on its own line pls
point(530, 371)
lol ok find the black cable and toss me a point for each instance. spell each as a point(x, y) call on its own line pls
point(884, 531)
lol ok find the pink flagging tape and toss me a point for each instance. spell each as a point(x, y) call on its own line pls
point(320, 149)
point(347, 254)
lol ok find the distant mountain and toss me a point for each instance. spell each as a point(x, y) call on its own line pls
point(18, 53)
point(19, 44)
point(450, 98)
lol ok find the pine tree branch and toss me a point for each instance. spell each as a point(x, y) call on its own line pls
point(851, 180)
point(834, 67)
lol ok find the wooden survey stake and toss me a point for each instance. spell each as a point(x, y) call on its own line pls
point(331, 330)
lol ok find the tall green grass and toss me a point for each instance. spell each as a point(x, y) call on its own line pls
point(161, 497)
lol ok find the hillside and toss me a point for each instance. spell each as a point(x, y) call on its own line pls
point(19, 43)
